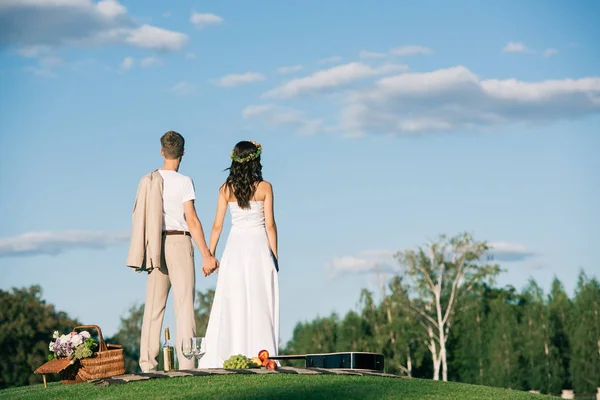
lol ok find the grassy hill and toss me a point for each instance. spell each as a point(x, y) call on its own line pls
point(270, 386)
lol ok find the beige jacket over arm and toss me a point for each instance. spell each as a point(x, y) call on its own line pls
point(147, 222)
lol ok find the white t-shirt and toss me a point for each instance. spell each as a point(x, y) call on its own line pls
point(177, 189)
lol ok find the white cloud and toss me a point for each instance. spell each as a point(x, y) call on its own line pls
point(331, 78)
point(48, 24)
point(154, 38)
point(382, 261)
point(53, 243)
point(289, 69)
point(201, 20)
point(371, 54)
point(455, 98)
point(241, 79)
point(330, 60)
point(150, 62)
point(275, 116)
point(365, 262)
point(111, 8)
point(515, 47)
point(128, 63)
point(411, 50)
point(182, 88)
point(503, 251)
point(550, 52)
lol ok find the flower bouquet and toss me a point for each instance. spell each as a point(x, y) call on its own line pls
point(74, 346)
point(79, 358)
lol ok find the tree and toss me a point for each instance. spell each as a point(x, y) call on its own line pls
point(541, 357)
point(318, 336)
point(585, 338)
point(560, 310)
point(26, 327)
point(439, 273)
point(502, 336)
point(468, 337)
point(399, 337)
point(202, 310)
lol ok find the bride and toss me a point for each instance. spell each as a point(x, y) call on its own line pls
point(244, 318)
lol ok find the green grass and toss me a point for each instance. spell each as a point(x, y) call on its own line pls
point(269, 386)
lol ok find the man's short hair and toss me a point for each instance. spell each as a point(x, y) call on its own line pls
point(172, 145)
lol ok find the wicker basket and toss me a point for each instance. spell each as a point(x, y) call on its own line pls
point(106, 362)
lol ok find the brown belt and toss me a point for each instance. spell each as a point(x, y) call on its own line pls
point(176, 233)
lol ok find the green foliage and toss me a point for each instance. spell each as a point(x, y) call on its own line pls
point(202, 310)
point(585, 338)
point(540, 357)
point(90, 345)
point(26, 327)
point(468, 340)
point(502, 346)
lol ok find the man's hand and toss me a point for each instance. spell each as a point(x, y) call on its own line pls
point(209, 264)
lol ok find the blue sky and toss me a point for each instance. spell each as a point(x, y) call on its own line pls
point(383, 125)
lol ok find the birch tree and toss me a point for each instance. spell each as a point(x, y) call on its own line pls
point(438, 274)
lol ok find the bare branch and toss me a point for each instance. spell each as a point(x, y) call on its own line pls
point(455, 284)
point(427, 317)
point(452, 296)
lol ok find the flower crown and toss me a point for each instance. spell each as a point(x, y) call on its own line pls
point(252, 156)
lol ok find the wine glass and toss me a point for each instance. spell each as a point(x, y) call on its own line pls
point(198, 347)
point(187, 348)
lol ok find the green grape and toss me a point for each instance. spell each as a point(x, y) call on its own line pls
point(237, 361)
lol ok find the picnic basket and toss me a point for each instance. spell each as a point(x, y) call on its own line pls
point(106, 362)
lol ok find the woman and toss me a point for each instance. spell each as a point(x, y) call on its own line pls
point(245, 313)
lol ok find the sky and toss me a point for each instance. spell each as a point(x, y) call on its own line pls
point(383, 125)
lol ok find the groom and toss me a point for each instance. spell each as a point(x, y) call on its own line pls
point(164, 222)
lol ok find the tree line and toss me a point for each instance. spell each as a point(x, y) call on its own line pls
point(442, 318)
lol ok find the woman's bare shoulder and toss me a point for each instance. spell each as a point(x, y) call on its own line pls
point(263, 188)
point(265, 185)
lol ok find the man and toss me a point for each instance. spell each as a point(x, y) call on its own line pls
point(164, 221)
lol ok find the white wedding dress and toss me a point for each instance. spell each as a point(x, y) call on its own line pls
point(244, 318)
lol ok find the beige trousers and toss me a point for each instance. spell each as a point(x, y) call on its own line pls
point(177, 270)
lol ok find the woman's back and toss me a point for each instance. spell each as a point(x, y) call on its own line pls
point(253, 217)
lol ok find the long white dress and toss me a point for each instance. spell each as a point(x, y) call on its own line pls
point(244, 318)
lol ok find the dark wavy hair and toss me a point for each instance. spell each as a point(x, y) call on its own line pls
point(244, 177)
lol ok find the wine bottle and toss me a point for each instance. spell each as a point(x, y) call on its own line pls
point(168, 353)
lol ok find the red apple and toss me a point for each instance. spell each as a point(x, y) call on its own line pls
point(263, 355)
point(271, 365)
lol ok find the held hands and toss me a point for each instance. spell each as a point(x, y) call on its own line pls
point(209, 265)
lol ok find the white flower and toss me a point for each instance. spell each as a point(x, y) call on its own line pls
point(51, 346)
point(85, 334)
point(55, 335)
point(76, 340)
